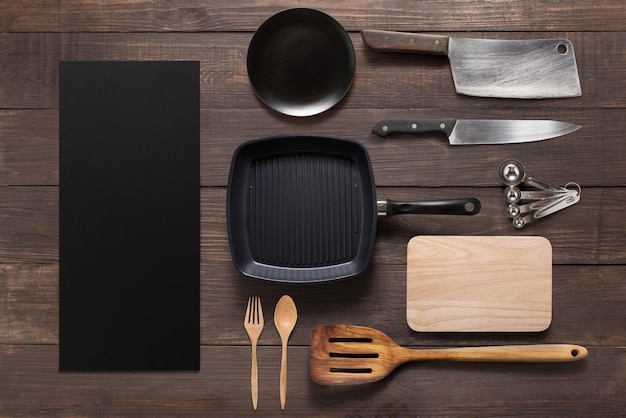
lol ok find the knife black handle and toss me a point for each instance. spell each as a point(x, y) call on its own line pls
point(387, 127)
point(464, 206)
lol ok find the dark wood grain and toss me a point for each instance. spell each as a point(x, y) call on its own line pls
point(222, 15)
point(432, 388)
point(592, 156)
point(589, 259)
point(376, 299)
point(587, 233)
point(29, 76)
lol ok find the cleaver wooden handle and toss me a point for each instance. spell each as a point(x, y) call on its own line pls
point(382, 40)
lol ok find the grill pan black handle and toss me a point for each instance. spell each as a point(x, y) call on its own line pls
point(464, 206)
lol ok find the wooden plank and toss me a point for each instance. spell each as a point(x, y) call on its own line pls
point(588, 233)
point(429, 160)
point(29, 221)
point(221, 15)
point(590, 156)
point(29, 147)
point(32, 385)
point(29, 307)
point(29, 79)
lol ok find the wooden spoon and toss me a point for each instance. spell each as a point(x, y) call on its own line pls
point(348, 355)
point(285, 318)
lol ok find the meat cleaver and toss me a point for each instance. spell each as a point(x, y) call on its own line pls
point(519, 69)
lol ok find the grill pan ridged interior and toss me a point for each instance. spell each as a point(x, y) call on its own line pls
point(301, 209)
point(304, 210)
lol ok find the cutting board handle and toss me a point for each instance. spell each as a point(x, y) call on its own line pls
point(389, 41)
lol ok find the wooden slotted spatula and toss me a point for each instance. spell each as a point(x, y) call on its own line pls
point(349, 355)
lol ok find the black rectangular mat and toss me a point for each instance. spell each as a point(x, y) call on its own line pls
point(129, 215)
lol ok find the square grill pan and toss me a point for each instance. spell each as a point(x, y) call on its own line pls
point(301, 209)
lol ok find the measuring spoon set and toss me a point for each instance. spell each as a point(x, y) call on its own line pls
point(543, 199)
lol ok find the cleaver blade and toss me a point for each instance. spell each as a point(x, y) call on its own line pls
point(479, 131)
point(519, 69)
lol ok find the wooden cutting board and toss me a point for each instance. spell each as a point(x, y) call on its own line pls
point(479, 284)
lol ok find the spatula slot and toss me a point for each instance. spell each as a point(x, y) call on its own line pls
point(340, 370)
point(349, 340)
point(354, 355)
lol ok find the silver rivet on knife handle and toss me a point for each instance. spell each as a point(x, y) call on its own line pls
point(415, 126)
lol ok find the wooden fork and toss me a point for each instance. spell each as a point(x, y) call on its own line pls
point(253, 322)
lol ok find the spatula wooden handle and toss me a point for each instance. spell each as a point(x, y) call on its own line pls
point(506, 353)
point(389, 41)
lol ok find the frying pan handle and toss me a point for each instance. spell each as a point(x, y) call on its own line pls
point(464, 206)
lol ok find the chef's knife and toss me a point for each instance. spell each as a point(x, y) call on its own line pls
point(478, 131)
point(520, 69)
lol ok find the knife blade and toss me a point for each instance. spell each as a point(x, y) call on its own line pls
point(478, 131)
point(520, 69)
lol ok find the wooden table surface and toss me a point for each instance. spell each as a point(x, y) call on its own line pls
point(589, 273)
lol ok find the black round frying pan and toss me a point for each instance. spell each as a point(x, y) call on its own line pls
point(303, 209)
point(301, 62)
